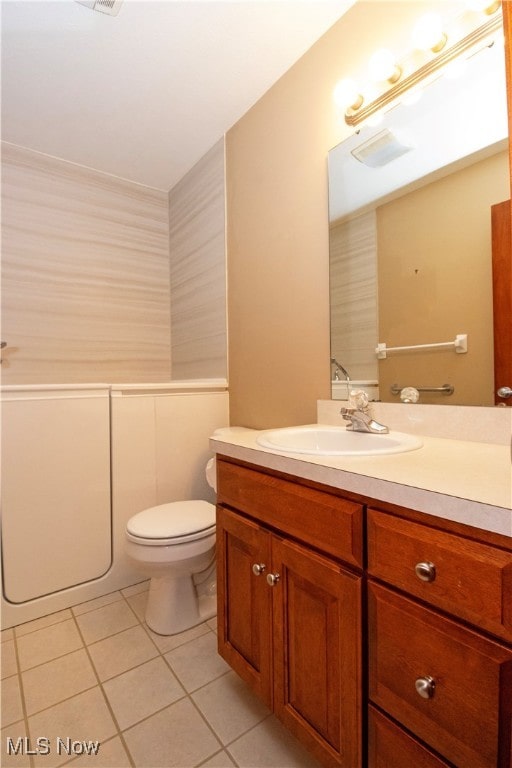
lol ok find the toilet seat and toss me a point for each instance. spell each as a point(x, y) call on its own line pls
point(174, 523)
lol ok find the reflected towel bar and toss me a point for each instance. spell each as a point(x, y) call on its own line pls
point(460, 345)
point(447, 389)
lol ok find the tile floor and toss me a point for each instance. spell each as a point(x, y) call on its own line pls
point(97, 673)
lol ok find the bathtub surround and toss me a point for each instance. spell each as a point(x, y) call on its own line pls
point(353, 295)
point(197, 223)
point(55, 490)
point(159, 448)
point(96, 287)
point(85, 274)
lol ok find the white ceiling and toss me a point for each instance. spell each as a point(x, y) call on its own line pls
point(143, 95)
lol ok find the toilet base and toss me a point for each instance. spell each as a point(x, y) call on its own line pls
point(173, 605)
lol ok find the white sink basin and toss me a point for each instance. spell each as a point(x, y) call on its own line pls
point(325, 440)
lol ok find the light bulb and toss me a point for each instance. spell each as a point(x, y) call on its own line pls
point(428, 33)
point(484, 6)
point(346, 95)
point(382, 66)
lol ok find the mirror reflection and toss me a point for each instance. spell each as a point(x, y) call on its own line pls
point(410, 242)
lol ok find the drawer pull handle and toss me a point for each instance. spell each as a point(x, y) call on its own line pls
point(258, 568)
point(425, 571)
point(272, 579)
point(425, 686)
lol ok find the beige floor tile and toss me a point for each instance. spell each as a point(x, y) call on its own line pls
point(82, 718)
point(230, 707)
point(166, 643)
point(9, 663)
point(44, 621)
point(138, 604)
point(106, 621)
point(141, 586)
point(269, 745)
point(111, 754)
point(177, 736)
point(7, 634)
point(220, 760)
point(47, 644)
point(12, 709)
point(142, 692)
point(57, 680)
point(98, 602)
point(121, 652)
point(197, 662)
point(11, 754)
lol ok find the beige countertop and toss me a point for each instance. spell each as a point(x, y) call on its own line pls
point(468, 482)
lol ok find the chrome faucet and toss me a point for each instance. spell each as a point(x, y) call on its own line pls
point(359, 416)
point(362, 422)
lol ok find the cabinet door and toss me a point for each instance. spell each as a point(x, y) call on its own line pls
point(317, 661)
point(244, 612)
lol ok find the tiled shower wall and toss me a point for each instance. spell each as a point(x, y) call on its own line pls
point(198, 270)
point(85, 274)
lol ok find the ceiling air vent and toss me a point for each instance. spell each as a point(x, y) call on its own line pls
point(104, 6)
point(381, 149)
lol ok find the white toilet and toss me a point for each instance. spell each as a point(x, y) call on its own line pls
point(174, 544)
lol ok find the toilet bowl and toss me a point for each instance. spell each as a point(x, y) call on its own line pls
point(174, 544)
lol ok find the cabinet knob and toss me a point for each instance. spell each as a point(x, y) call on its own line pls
point(425, 571)
point(272, 579)
point(425, 686)
point(258, 568)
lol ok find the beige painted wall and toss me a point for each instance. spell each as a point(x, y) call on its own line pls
point(277, 230)
point(435, 281)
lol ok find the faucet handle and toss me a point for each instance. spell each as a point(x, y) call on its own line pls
point(359, 400)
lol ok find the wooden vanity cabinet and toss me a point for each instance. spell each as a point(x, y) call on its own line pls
point(439, 643)
point(297, 563)
point(289, 616)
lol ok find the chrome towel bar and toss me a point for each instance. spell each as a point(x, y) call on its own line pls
point(446, 389)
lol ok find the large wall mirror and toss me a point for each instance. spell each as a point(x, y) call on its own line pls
point(410, 241)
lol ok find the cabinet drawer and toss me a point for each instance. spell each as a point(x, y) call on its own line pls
point(322, 520)
point(467, 716)
point(389, 745)
point(473, 581)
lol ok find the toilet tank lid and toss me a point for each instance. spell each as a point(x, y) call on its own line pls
point(173, 520)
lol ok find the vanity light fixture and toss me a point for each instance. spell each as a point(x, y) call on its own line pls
point(442, 45)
